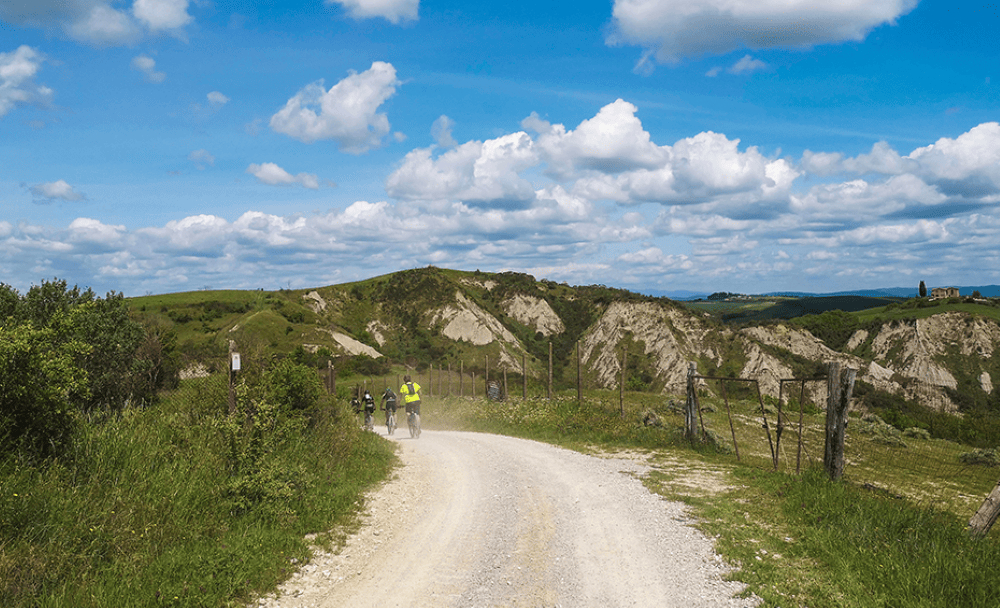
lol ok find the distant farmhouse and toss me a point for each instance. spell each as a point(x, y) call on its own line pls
point(944, 292)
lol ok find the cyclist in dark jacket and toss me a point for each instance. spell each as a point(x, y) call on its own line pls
point(389, 407)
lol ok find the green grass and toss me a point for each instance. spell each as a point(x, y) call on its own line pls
point(147, 513)
point(144, 514)
point(922, 309)
point(892, 534)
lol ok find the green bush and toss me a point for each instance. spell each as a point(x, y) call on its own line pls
point(120, 364)
point(981, 457)
point(916, 433)
point(294, 386)
point(833, 327)
point(39, 383)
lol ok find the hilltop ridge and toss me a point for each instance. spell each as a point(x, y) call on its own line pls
point(439, 317)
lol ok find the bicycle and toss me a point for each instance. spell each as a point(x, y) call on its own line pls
point(390, 421)
point(369, 420)
point(413, 420)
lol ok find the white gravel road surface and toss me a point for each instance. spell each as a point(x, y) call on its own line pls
point(479, 520)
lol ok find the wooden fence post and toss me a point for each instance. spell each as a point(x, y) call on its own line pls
point(691, 405)
point(840, 386)
point(461, 378)
point(579, 376)
point(549, 394)
point(621, 384)
point(524, 377)
point(232, 377)
point(986, 516)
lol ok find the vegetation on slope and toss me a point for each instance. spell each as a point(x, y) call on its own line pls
point(118, 494)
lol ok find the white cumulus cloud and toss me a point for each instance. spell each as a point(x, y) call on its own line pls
point(273, 175)
point(747, 65)
point(393, 11)
point(100, 22)
point(670, 30)
point(217, 99)
point(57, 190)
point(102, 25)
point(612, 141)
point(347, 113)
point(441, 132)
point(17, 79)
point(162, 14)
point(201, 159)
point(147, 65)
point(473, 172)
point(968, 165)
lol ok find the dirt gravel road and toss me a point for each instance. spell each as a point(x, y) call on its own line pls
point(483, 520)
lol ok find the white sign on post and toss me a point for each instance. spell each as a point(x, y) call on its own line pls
point(236, 362)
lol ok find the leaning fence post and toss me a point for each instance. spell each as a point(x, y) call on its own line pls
point(524, 377)
point(691, 405)
point(986, 516)
point(729, 414)
point(840, 385)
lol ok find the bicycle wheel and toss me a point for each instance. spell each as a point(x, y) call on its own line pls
point(413, 427)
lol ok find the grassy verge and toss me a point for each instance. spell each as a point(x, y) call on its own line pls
point(170, 507)
point(795, 540)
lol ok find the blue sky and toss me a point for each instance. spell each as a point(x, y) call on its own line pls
point(155, 146)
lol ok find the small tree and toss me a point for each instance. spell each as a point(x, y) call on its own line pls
point(923, 290)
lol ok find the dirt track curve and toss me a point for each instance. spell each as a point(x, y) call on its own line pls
point(483, 520)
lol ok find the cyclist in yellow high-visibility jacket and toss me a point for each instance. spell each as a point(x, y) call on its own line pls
point(410, 392)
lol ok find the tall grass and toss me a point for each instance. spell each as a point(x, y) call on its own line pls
point(145, 512)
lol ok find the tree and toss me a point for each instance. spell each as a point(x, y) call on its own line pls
point(923, 290)
point(119, 366)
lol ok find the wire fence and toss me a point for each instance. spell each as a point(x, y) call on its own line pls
point(787, 432)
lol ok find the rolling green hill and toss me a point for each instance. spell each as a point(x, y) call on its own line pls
point(915, 357)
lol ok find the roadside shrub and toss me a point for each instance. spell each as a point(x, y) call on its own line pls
point(294, 386)
point(257, 478)
point(916, 433)
point(38, 382)
point(981, 457)
point(879, 431)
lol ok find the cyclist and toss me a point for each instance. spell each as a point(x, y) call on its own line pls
point(411, 400)
point(389, 407)
point(369, 403)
